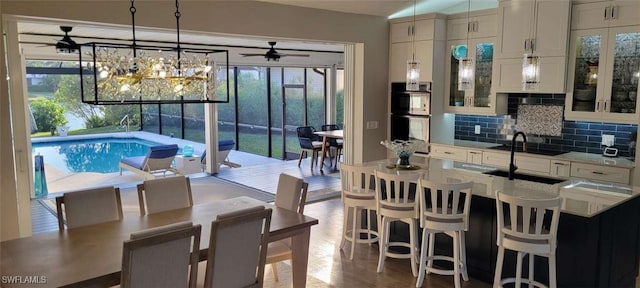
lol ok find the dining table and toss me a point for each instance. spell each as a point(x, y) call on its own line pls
point(336, 134)
point(91, 256)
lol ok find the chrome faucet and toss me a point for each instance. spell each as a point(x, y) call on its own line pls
point(512, 166)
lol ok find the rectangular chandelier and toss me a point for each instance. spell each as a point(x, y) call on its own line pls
point(120, 74)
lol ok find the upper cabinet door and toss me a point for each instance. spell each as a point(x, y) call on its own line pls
point(402, 52)
point(605, 14)
point(404, 31)
point(541, 24)
point(474, 27)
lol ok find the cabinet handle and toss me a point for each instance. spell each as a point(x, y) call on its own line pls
point(613, 12)
point(532, 44)
point(599, 173)
point(598, 106)
point(449, 153)
point(471, 152)
point(606, 13)
point(605, 106)
point(469, 25)
point(525, 44)
point(559, 164)
point(409, 30)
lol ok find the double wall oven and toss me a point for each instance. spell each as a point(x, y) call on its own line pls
point(410, 113)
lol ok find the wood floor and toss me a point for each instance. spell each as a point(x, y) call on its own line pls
point(330, 267)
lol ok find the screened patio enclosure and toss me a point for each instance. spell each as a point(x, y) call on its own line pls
point(266, 106)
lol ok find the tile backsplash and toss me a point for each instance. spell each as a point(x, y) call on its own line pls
point(576, 136)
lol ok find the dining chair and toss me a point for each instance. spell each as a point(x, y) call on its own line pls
point(444, 209)
point(530, 228)
point(309, 143)
point(238, 248)
point(291, 194)
point(163, 194)
point(165, 256)
point(396, 202)
point(358, 194)
point(335, 143)
point(89, 207)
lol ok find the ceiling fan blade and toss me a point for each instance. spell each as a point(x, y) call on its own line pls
point(294, 55)
point(251, 54)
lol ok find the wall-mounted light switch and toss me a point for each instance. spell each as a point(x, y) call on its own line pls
point(608, 140)
point(372, 124)
point(477, 129)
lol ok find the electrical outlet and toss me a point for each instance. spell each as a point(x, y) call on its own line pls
point(477, 129)
point(608, 140)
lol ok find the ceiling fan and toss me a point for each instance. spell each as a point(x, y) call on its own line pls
point(66, 45)
point(272, 54)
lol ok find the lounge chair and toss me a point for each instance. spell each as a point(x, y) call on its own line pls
point(157, 160)
point(224, 147)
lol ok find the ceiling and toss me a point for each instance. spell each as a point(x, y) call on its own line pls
point(37, 37)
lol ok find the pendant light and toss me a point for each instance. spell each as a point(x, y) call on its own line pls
point(465, 64)
point(413, 65)
point(530, 62)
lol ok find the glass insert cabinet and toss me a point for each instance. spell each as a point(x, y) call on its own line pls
point(478, 99)
point(605, 67)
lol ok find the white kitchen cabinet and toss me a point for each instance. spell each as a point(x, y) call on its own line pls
point(532, 165)
point(524, 24)
point(605, 14)
point(404, 31)
point(476, 26)
point(480, 99)
point(448, 153)
point(474, 156)
point(401, 52)
point(600, 172)
point(496, 159)
point(507, 75)
point(560, 169)
point(604, 70)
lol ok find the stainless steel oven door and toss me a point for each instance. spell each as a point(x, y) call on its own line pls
point(405, 127)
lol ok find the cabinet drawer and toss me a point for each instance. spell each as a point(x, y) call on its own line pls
point(602, 173)
point(532, 164)
point(474, 156)
point(449, 153)
point(561, 169)
point(495, 159)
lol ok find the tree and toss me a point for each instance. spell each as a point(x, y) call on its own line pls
point(68, 95)
point(47, 113)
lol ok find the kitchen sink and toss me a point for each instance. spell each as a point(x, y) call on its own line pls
point(532, 178)
point(529, 150)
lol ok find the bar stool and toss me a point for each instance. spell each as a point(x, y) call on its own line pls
point(540, 217)
point(444, 208)
point(357, 194)
point(395, 202)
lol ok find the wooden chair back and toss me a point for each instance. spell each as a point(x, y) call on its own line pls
point(291, 193)
point(162, 257)
point(238, 248)
point(89, 207)
point(163, 194)
point(396, 194)
point(444, 206)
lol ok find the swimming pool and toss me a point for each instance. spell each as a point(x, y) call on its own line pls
point(100, 155)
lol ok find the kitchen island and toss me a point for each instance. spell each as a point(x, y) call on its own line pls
point(598, 233)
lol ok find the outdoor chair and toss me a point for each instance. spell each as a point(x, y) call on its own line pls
point(224, 147)
point(309, 142)
point(157, 160)
point(335, 143)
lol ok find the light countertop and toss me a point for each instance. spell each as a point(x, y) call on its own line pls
point(589, 158)
point(581, 197)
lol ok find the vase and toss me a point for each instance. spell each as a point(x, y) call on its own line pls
point(403, 161)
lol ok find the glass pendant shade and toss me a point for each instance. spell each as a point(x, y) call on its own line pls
point(413, 75)
point(465, 74)
point(530, 72)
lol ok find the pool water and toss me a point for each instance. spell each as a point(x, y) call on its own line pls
point(100, 155)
